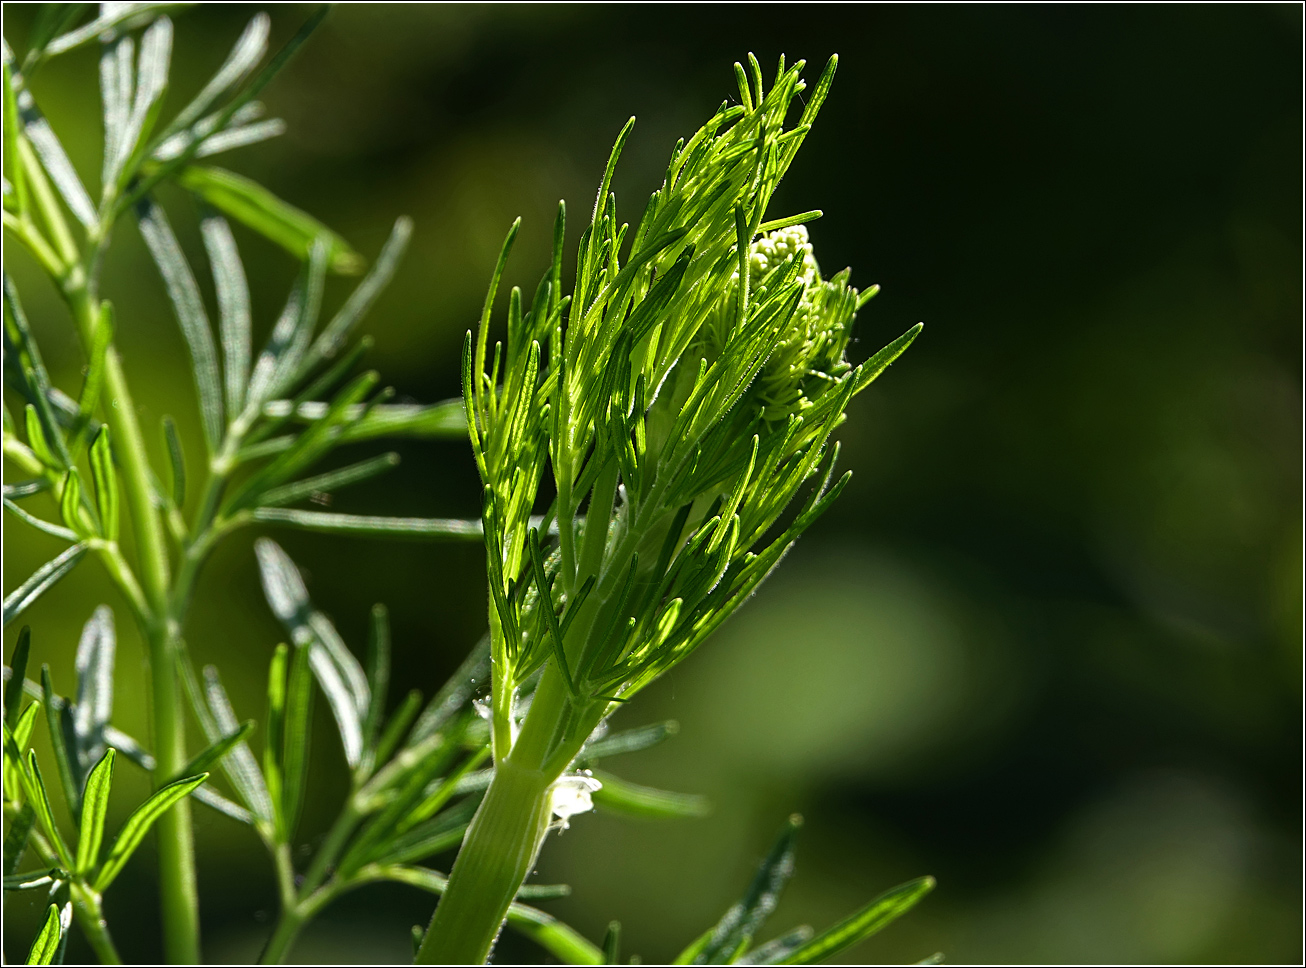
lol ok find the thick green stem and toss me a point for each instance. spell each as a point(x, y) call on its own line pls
point(497, 854)
point(180, 897)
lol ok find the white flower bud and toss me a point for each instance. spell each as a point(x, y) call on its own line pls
point(573, 794)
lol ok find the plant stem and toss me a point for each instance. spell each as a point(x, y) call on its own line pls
point(497, 854)
point(289, 924)
point(180, 897)
point(336, 840)
point(86, 907)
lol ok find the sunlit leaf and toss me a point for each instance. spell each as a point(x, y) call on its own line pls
point(150, 83)
point(46, 945)
point(278, 363)
point(240, 766)
point(138, 825)
point(39, 798)
point(93, 384)
point(104, 479)
point(436, 421)
point(231, 113)
point(257, 208)
point(55, 160)
point(22, 489)
point(95, 807)
point(238, 136)
point(777, 949)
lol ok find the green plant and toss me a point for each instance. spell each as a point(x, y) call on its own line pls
point(681, 397)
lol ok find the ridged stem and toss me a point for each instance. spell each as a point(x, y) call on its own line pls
point(498, 852)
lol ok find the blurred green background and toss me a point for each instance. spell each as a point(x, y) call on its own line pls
point(1047, 647)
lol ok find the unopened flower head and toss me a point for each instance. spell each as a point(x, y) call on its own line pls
point(679, 413)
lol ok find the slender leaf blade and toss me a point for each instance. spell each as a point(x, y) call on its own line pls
point(188, 307)
point(371, 526)
point(39, 798)
point(176, 462)
point(55, 160)
point(627, 741)
point(46, 945)
point(119, 17)
point(63, 756)
point(22, 346)
point(298, 735)
point(273, 746)
point(105, 482)
point(364, 297)
point(634, 800)
point(92, 386)
point(214, 753)
point(329, 481)
point(41, 581)
point(247, 52)
point(240, 765)
point(33, 879)
point(736, 929)
point(139, 823)
point(94, 708)
point(378, 675)
point(234, 317)
point(860, 925)
point(95, 807)
point(17, 670)
point(338, 673)
point(257, 208)
point(20, 829)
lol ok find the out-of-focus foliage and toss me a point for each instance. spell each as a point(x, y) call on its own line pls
point(1060, 660)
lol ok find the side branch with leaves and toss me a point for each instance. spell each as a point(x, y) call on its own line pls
point(264, 416)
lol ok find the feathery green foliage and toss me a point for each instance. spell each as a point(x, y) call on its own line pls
point(680, 395)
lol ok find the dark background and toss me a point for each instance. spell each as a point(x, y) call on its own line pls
point(1047, 646)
